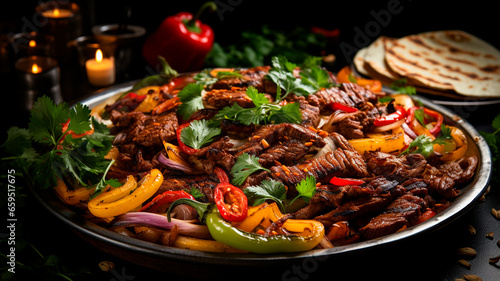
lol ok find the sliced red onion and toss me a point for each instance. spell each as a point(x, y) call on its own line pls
point(160, 222)
point(173, 164)
point(388, 126)
point(409, 131)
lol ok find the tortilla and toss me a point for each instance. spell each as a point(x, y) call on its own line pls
point(375, 57)
point(447, 60)
point(359, 61)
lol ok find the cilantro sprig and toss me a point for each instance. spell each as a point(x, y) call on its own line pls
point(200, 132)
point(46, 152)
point(425, 145)
point(264, 112)
point(191, 99)
point(276, 191)
point(245, 165)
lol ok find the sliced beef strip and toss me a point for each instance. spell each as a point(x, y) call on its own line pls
point(359, 207)
point(253, 76)
point(271, 133)
point(349, 94)
point(205, 183)
point(344, 161)
point(287, 152)
point(397, 168)
point(403, 211)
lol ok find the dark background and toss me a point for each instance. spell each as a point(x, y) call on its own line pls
point(430, 257)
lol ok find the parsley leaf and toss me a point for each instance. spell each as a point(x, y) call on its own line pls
point(200, 132)
point(267, 190)
point(46, 119)
point(191, 99)
point(282, 74)
point(245, 165)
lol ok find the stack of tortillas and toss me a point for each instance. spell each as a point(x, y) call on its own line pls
point(451, 63)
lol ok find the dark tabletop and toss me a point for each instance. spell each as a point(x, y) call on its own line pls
point(430, 256)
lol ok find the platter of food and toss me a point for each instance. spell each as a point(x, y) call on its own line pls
point(452, 67)
point(268, 165)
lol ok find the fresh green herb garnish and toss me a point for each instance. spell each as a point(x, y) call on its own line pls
point(58, 154)
point(425, 146)
point(205, 78)
point(191, 99)
point(281, 73)
point(267, 190)
point(385, 99)
point(275, 190)
point(200, 132)
point(264, 111)
point(245, 165)
point(400, 87)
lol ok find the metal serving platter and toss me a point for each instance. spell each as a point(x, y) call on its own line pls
point(181, 260)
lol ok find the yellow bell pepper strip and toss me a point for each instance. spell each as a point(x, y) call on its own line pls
point(127, 197)
point(152, 98)
point(258, 214)
point(391, 141)
point(72, 197)
point(197, 244)
point(460, 145)
point(307, 233)
point(345, 75)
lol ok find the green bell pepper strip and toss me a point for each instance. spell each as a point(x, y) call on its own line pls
point(222, 231)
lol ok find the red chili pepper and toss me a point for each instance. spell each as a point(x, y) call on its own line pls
point(183, 147)
point(345, 181)
point(231, 202)
point(182, 40)
point(391, 118)
point(339, 106)
point(168, 196)
point(426, 215)
point(439, 120)
point(221, 175)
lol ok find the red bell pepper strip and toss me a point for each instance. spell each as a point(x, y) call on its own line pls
point(182, 40)
point(339, 106)
point(399, 114)
point(183, 147)
point(426, 215)
point(439, 120)
point(345, 181)
point(168, 196)
point(231, 202)
point(135, 97)
point(436, 115)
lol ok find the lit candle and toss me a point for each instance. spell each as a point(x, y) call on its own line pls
point(57, 13)
point(100, 70)
point(38, 76)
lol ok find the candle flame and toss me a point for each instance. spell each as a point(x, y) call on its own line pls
point(32, 43)
point(56, 12)
point(98, 55)
point(35, 68)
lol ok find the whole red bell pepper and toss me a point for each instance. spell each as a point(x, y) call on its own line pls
point(182, 40)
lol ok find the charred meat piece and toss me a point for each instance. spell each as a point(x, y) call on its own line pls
point(348, 94)
point(359, 207)
point(220, 98)
point(205, 183)
point(251, 77)
point(143, 129)
point(287, 152)
point(397, 168)
point(402, 212)
point(269, 134)
point(335, 163)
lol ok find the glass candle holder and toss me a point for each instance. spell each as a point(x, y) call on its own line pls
point(64, 22)
point(38, 76)
point(96, 59)
point(32, 44)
